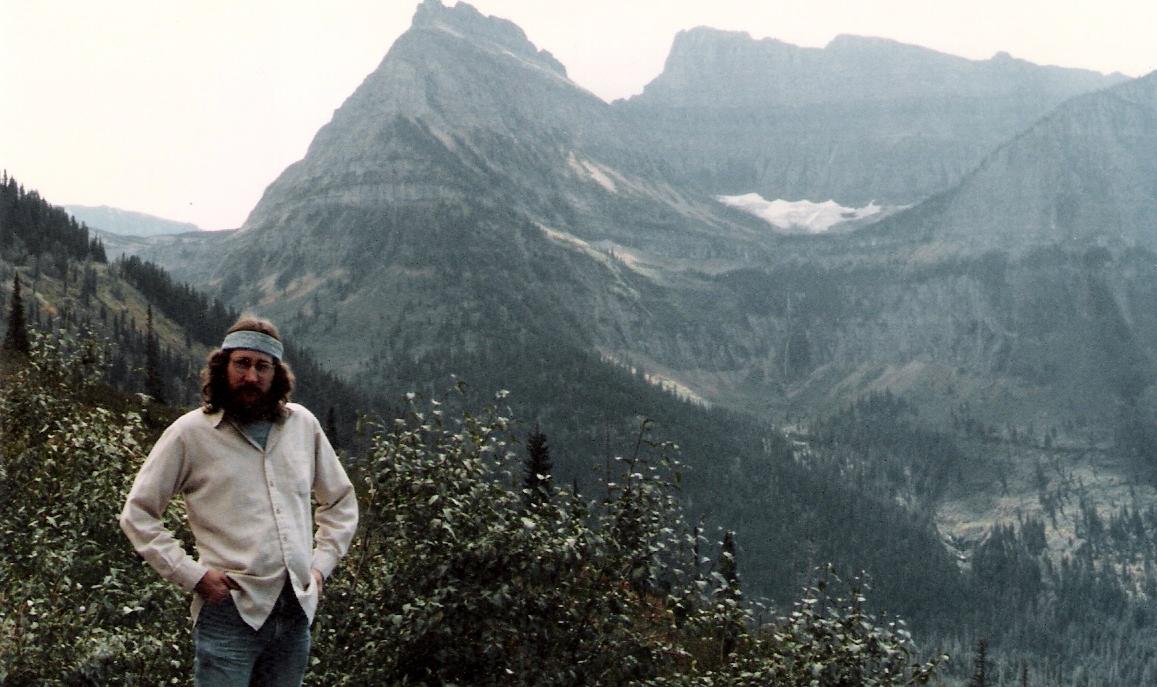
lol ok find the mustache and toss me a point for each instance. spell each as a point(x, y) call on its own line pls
point(246, 389)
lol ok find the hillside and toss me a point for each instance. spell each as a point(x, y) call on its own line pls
point(1082, 176)
point(139, 317)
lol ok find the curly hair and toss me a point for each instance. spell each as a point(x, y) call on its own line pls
point(215, 392)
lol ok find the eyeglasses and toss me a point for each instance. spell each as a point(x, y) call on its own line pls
point(245, 364)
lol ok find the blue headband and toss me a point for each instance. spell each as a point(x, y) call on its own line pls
point(254, 341)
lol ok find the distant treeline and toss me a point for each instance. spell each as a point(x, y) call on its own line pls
point(30, 226)
point(1087, 617)
point(205, 320)
point(202, 318)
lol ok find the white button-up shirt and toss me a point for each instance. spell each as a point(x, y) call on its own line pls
point(248, 508)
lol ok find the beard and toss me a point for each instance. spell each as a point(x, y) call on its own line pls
point(250, 404)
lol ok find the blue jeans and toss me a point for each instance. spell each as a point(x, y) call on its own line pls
point(229, 653)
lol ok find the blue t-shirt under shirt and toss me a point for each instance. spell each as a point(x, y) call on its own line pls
point(258, 431)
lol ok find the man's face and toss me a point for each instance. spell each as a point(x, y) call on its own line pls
point(250, 376)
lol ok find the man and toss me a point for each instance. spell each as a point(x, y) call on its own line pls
point(246, 463)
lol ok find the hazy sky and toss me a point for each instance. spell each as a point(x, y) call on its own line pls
point(189, 110)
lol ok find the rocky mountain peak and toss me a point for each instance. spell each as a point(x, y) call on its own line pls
point(712, 66)
point(465, 21)
point(449, 89)
point(691, 42)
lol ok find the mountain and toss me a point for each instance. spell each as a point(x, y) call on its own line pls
point(467, 177)
point(460, 99)
point(469, 211)
point(75, 296)
point(996, 294)
point(469, 207)
point(71, 292)
point(1028, 282)
point(860, 120)
point(127, 222)
point(190, 257)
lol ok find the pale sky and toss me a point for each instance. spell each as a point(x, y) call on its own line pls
point(189, 110)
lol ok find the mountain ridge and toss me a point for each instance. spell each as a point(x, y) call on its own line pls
point(859, 121)
point(1078, 176)
point(128, 222)
point(848, 67)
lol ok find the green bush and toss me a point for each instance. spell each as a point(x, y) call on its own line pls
point(76, 604)
point(458, 578)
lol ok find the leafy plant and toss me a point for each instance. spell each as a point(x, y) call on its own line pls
point(76, 605)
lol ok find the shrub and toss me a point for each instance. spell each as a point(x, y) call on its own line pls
point(76, 604)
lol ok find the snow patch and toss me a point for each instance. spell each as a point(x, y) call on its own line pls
point(804, 216)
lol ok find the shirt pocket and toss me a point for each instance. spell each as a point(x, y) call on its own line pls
point(299, 469)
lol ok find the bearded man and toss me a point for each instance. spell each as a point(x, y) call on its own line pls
point(246, 464)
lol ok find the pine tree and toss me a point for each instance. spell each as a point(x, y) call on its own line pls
point(88, 286)
point(728, 567)
point(154, 384)
point(331, 428)
point(980, 665)
point(536, 484)
point(16, 339)
point(729, 594)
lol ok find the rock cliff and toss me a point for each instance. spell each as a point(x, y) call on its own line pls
point(862, 119)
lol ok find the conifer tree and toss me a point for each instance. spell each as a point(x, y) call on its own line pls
point(980, 665)
point(728, 567)
point(17, 337)
point(730, 594)
point(538, 467)
point(154, 384)
point(88, 286)
point(331, 428)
